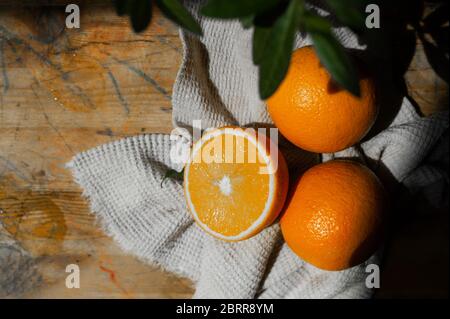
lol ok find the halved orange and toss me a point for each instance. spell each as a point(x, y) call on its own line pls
point(235, 182)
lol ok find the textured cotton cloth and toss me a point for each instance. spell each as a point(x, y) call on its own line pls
point(217, 83)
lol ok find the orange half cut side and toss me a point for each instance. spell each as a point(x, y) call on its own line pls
point(235, 183)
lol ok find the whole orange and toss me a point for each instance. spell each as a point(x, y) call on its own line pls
point(312, 112)
point(333, 218)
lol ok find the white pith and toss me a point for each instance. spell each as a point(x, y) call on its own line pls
point(225, 185)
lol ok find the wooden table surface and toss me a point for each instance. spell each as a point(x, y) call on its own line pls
point(63, 91)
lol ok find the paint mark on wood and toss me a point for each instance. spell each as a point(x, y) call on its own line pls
point(3, 68)
point(61, 71)
point(166, 109)
point(18, 271)
point(8, 166)
point(54, 128)
point(144, 76)
point(47, 25)
point(113, 278)
point(164, 40)
point(106, 132)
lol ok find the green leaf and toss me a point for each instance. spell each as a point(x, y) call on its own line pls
point(176, 12)
point(260, 37)
point(268, 17)
point(229, 9)
point(171, 173)
point(141, 14)
point(349, 12)
point(247, 21)
point(275, 63)
point(332, 54)
point(314, 23)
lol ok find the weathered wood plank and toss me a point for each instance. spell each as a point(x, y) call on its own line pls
point(64, 91)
